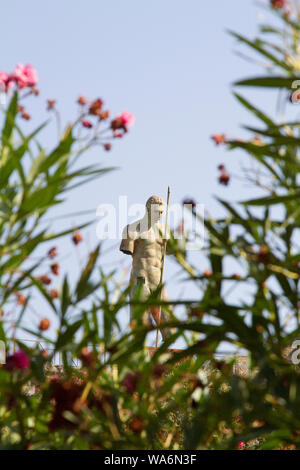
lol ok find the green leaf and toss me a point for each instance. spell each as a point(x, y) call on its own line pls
point(272, 200)
point(65, 297)
point(67, 336)
point(44, 292)
point(270, 30)
point(14, 156)
point(40, 199)
point(278, 138)
point(259, 114)
point(257, 45)
point(60, 152)
point(10, 119)
point(83, 286)
point(268, 82)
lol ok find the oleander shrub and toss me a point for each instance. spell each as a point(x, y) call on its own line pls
point(119, 396)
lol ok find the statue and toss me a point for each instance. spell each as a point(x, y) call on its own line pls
point(144, 241)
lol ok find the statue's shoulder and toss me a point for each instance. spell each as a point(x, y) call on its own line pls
point(129, 236)
point(132, 231)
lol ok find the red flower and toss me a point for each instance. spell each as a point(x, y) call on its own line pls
point(45, 279)
point(87, 357)
point(25, 116)
point(55, 268)
point(44, 324)
point(95, 108)
point(104, 115)
point(136, 424)
point(118, 123)
point(53, 294)
point(21, 299)
point(77, 238)
point(130, 381)
point(66, 395)
point(50, 104)
point(82, 100)
point(87, 124)
point(241, 445)
point(207, 273)
point(18, 361)
point(52, 253)
point(224, 178)
point(107, 147)
point(159, 370)
point(127, 118)
point(278, 4)
point(219, 139)
point(263, 255)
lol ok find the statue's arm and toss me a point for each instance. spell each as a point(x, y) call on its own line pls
point(126, 248)
point(127, 244)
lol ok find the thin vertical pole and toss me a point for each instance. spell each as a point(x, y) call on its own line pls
point(163, 263)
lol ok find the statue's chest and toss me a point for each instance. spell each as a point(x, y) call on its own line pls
point(151, 245)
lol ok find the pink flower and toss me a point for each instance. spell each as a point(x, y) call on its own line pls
point(17, 361)
point(278, 4)
point(219, 139)
point(127, 118)
point(31, 74)
point(9, 84)
point(241, 445)
point(87, 124)
point(130, 381)
point(19, 76)
point(24, 75)
point(3, 78)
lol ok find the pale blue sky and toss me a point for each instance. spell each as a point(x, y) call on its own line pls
point(170, 63)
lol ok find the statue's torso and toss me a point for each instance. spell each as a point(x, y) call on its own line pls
point(146, 247)
point(147, 260)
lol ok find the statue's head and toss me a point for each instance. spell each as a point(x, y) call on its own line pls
point(155, 207)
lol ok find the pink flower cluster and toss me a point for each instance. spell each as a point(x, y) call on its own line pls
point(127, 118)
point(23, 76)
point(18, 361)
point(278, 4)
point(94, 109)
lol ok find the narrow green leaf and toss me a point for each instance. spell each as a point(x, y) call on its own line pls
point(259, 114)
point(257, 45)
point(268, 82)
point(272, 200)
